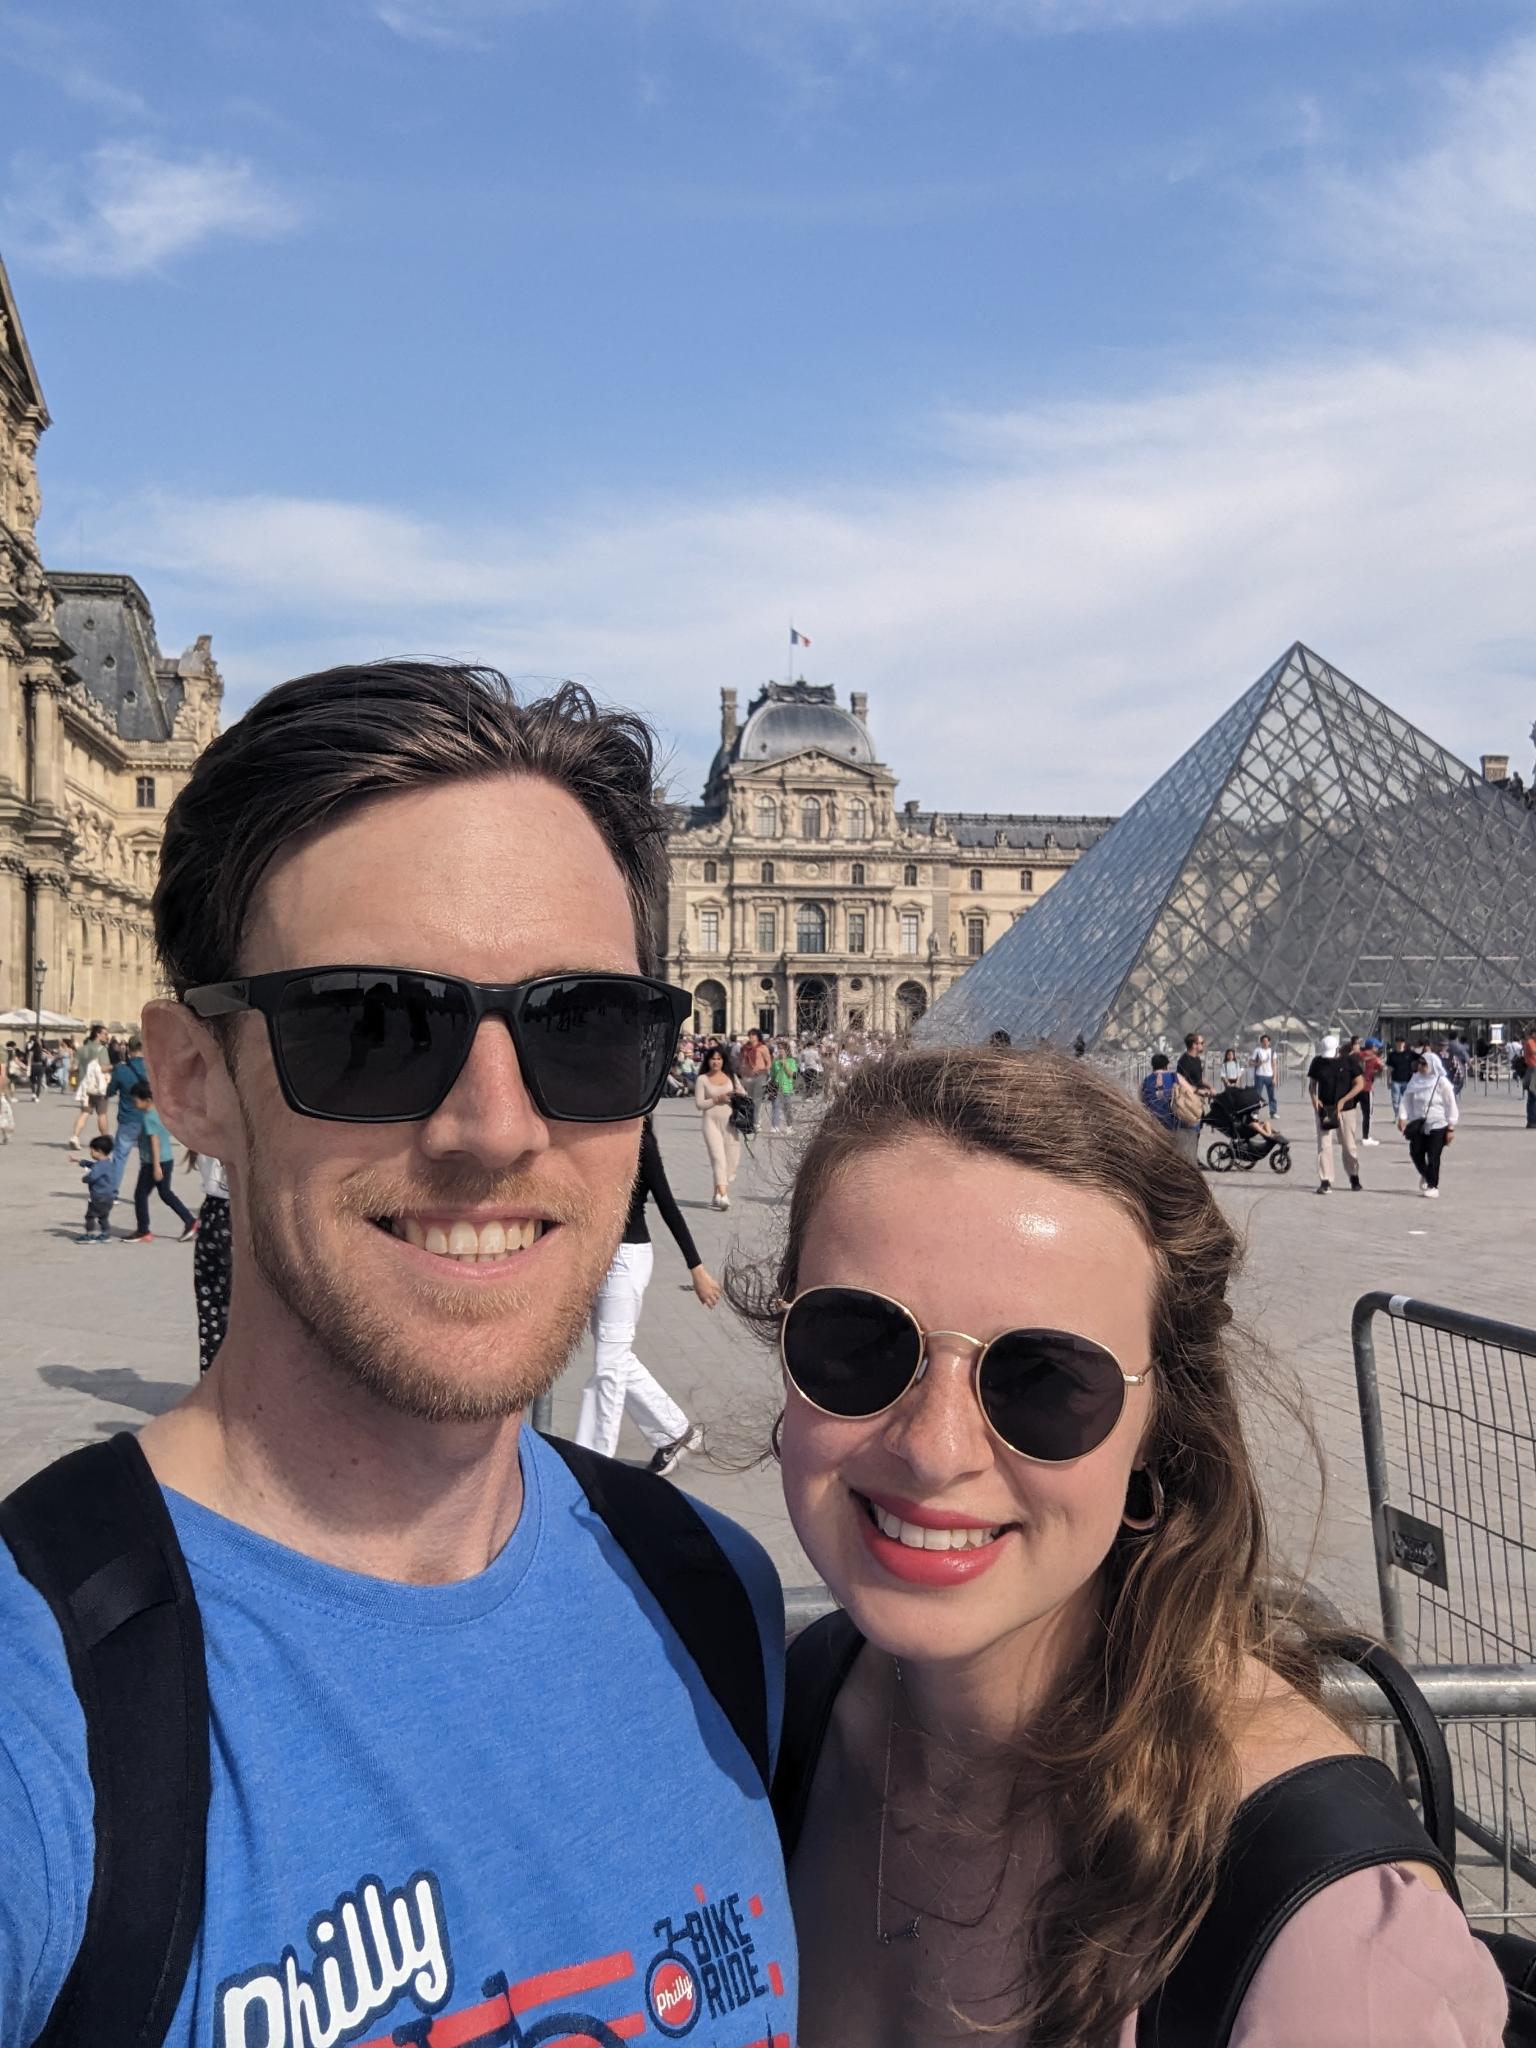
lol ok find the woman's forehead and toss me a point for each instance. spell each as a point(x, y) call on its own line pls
point(952, 1232)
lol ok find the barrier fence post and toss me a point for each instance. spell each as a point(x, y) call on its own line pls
point(1375, 1446)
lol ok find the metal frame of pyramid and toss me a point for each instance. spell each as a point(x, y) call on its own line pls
point(1313, 862)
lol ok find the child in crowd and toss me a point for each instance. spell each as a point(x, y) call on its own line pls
point(155, 1168)
point(100, 1190)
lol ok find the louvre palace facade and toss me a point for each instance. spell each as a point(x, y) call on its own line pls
point(98, 731)
point(804, 898)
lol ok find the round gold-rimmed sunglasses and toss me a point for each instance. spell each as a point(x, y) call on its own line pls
point(1049, 1395)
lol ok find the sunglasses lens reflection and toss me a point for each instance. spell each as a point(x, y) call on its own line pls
point(1049, 1394)
point(849, 1352)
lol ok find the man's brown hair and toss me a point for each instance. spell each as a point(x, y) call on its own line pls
point(311, 749)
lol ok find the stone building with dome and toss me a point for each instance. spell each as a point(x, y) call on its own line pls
point(98, 731)
point(803, 898)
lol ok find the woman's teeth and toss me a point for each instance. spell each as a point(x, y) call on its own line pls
point(465, 1242)
point(929, 1539)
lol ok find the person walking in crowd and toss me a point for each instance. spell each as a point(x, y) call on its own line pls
point(126, 1076)
point(619, 1380)
point(714, 1093)
point(1157, 1094)
point(1191, 1071)
point(156, 1167)
point(1528, 1078)
point(212, 1257)
point(1192, 1062)
point(91, 1095)
point(37, 1068)
point(1232, 1074)
point(1369, 1057)
point(1458, 1061)
point(1334, 1085)
point(441, 1649)
point(1262, 1063)
point(754, 1063)
point(782, 1077)
point(100, 1191)
point(1399, 1072)
point(1059, 1671)
point(810, 1067)
point(1428, 1119)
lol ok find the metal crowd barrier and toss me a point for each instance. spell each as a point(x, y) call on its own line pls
point(1448, 1420)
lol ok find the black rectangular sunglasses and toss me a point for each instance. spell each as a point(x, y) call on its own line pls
point(385, 1045)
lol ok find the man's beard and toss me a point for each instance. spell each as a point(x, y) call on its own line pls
point(371, 1349)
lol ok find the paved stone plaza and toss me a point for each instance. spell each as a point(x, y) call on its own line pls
point(94, 1339)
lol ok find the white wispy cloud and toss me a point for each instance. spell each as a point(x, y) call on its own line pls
point(1452, 224)
point(1047, 623)
point(128, 208)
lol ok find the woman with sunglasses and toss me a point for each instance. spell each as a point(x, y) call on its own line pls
point(713, 1092)
point(1012, 1447)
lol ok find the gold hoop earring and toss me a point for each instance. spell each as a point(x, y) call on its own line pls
point(1145, 1524)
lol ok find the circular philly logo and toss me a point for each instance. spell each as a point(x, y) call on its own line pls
point(672, 1993)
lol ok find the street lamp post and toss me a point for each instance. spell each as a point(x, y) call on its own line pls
point(39, 975)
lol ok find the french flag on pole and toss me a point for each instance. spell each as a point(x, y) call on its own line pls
point(798, 639)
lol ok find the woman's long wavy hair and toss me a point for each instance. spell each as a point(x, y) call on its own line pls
point(1135, 1754)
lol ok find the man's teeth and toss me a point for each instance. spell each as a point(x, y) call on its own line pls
point(929, 1539)
point(464, 1242)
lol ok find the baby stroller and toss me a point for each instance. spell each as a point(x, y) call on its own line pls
point(1233, 1114)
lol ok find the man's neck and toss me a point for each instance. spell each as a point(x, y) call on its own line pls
point(279, 1440)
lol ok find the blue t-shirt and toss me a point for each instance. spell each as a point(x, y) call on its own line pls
point(150, 1126)
point(125, 1078)
point(510, 1802)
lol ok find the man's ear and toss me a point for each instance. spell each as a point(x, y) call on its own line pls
point(193, 1089)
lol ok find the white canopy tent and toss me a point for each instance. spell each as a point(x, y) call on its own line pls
point(39, 1020)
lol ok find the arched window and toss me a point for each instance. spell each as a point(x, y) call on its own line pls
point(909, 875)
point(810, 818)
point(767, 818)
point(858, 820)
point(810, 928)
point(711, 871)
point(975, 878)
point(858, 874)
point(765, 872)
point(1027, 879)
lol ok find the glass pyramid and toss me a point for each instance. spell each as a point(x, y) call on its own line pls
point(1312, 863)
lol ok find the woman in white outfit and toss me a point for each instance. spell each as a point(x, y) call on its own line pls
point(1427, 1116)
point(618, 1377)
point(712, 1092)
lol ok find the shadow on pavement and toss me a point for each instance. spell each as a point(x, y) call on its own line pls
point(119, 1384)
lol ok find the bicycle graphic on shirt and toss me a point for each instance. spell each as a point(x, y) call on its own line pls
point(505, 2030)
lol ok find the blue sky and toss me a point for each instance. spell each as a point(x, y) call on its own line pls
point(1053, 363)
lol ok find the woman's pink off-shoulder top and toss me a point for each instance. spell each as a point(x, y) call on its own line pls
point(1377, 1960)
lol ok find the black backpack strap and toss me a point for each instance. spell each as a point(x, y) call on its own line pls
point(820, 1659)
point(1290, 1839)
point(93, 1535)
point(691, 1579)
point(1420, 1730)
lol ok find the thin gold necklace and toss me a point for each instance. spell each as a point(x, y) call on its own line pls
point(887, 1937)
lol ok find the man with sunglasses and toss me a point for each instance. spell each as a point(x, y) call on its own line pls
point(482, 1750)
